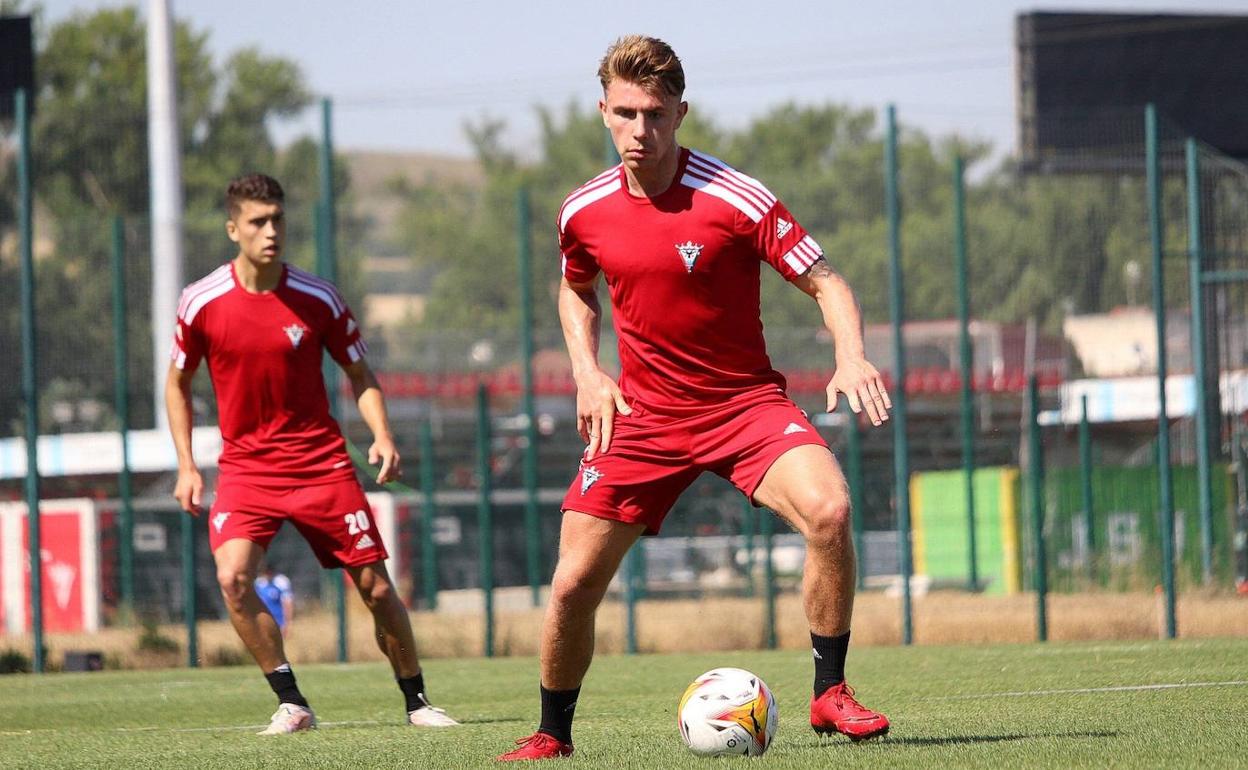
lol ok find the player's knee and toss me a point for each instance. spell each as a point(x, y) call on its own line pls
point(827, 522)
point(377, 592)
point(578, 590)
point(234, 584)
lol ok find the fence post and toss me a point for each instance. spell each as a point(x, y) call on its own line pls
point(766, 528)
point(1157, 244)
point(630, 598)
point(485, 514)
point(1085, 484)
point(121, 402)
point(1035, 473)
point(1195, 265)
point(897, 306)
point(965, 356)
point(428, 488)
point(747, 538)
point(327, 268)
point(30, 384)
point(532, 523)
point(190, 603)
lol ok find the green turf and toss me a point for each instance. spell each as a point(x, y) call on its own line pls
point(950, 706)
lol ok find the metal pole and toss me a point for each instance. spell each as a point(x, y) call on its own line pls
point(428, 485)
point(1085, 479)
point(1035, 475)
point(748, 517)
point(532, 524)
point(853, 463)
point(1165, 483)
point(165, 164)
point(966, 363)
point(766, 528)
point(630, 598)
point(1195, 263)
point(326, 236)
point(121, 402)
point(189, 597)
point(327, 268)
point(30, 383)
point(485, 514)
point(901, 449)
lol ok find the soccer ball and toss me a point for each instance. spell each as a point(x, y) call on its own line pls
point(728, 711)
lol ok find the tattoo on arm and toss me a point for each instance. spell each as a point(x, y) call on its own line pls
point(821, 269)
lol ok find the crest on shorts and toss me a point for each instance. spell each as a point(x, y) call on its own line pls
point(689, 253)
point(589, 476)
point(218, 521)
point(295, 333)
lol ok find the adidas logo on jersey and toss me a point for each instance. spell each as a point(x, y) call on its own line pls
point(794, 428)
point(783, 228)
point(218, 521)
point(364, 542)
point(351, 327)
point(295, 333)
point(589, 476)
point(689, 253)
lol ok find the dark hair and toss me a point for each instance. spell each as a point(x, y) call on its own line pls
point(646, 61)
point(252, 187)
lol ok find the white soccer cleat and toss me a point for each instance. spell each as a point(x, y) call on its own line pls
point(290, 718)
point(430, 716)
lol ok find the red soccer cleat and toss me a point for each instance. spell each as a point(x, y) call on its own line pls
point(836, 711)
point(537, 746)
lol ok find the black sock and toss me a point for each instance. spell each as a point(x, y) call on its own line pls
point(282, 680)
point(558, 708)
point(829, 660)
point(413, 688)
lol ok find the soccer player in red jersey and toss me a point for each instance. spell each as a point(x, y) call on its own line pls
point(681, 238)
point(262, 324)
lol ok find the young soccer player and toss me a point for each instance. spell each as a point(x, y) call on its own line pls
point(681, 237)
point(262, 325)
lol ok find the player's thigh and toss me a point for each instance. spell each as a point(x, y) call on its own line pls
point(805, 485)
point(371, 577)
point(591, 549)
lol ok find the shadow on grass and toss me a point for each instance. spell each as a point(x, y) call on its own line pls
point(959, 740)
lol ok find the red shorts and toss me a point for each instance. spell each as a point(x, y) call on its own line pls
point(653, 458)
point(334, 518)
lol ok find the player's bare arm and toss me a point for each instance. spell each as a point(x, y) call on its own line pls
point(598, 397)
point(372, 406)
point(189, 489)
point(855, 376)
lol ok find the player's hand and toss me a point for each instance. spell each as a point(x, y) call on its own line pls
point(863, 388)
point(189, 489)
point(598, 398)
point(385, 452)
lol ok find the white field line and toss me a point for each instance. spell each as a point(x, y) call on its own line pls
point(226, 728)
point(1091, 690)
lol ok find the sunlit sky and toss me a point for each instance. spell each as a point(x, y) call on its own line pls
point(409, 75)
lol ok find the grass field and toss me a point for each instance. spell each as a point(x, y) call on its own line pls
point(1125, 704)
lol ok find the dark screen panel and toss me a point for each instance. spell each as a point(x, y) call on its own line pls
point(1084, 78)
point(16, 62)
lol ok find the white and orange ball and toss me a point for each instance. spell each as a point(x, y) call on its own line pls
point(728, 711)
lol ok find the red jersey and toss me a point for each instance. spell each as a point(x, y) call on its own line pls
point(683, 271)
point(264, 357)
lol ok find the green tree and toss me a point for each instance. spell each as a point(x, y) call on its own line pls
point(91, 164)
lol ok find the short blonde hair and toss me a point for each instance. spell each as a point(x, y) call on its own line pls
point(646, 61)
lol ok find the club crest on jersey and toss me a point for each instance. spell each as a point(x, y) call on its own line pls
point(589, 476)
point(783, 227)
point(689, 253)
point(295, 333)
